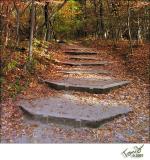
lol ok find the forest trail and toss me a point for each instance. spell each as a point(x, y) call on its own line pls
point(66, 110)
point(67, 67)
point(83, 109)
point(93, 85)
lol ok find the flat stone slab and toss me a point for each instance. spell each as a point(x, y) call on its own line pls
point(85, 71)
point(70, 63)
point(86, 85)
point(68, 111)
point(83, 58)
point(76, 48)
point(75, 52)
point(79, 49)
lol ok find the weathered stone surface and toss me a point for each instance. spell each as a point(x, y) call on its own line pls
point(75, 52)
point(70, 63)
point(79, 49)
point(85, 71)
point(83, 58)
point(76, 48)
point(68, 111)
point(85, 85)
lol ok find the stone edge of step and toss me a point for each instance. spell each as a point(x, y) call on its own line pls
point(83, 88)
point(82, 64)
point(72, 120)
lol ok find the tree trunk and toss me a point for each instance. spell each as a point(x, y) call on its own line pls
point(83, 4)
point(6, 35)
point(101, 20)
point(111, 21)
point(6, 32)
point(35, 23)
point(129, 28)
point(47, 21)
point(17, 23)
point(1, 24)
point(95, 14)
point(31, 29)
point(18, 27)
point(139, 35)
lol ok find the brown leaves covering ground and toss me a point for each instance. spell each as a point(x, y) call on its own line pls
point(135, 94)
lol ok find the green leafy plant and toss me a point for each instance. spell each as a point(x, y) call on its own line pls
point(16, 87)
point(10, 66)
point(31, 65)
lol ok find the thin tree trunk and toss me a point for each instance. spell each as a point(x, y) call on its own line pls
point(101, 20)
point(6, 34)
point(1, 24)
point(31, 29)
point(47, 21)
point(112, 14)
point(17, 23)
point(18, 27)
point(35, 23)
point(83, 4)
point(139, 36)
point(95, 13)
point(148, 25)
point(129, 28)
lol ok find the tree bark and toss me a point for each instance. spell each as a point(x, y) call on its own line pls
point(129, 28)
point(139, 35)
point(6, 34)
point(1, 25)
point(35, 23)
point(18, 27)
point(47, 21)
point(31, 29)
point(17, 23)
point(101, 20)
point(83, 4)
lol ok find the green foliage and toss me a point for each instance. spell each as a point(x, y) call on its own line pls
point(10, 66)
point(2, 79)
point(37, 43)
point(68, 20)
point(31, 65)
point(1, 88)
point(16, 87)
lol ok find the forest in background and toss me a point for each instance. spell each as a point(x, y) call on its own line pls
point(28, 27)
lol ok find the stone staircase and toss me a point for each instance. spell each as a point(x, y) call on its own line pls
point(84, 84)
point(69, 110)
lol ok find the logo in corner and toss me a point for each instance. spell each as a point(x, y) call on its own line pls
point(134, 152)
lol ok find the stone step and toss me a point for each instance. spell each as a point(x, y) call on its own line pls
point(85, 72)
point(71, 112)
point(81, 52)
point(76, 49)
point(83, 58)
point(86, 85)
point(79, 49)
point(70, 63)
